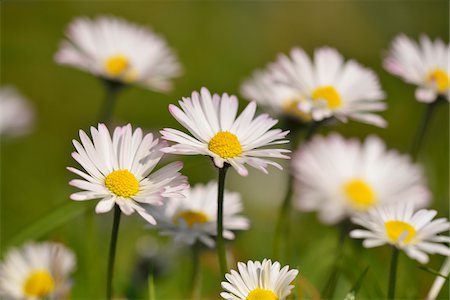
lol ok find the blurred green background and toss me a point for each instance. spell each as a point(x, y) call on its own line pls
point(219, 44)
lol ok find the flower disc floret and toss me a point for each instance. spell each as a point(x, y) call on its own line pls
point(225, 144)
point(39, 284)
point(122, 183)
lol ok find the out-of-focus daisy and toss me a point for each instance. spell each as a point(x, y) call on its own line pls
point(424, 64)
point(211, 119)
point(327, 86)
point(16, 113)
point(120, 51)
point(37, 271)
point(194, 217)
point(339, 177)
point(118, 170)
point(256, 280)
point(278, 98)
point(397, 224)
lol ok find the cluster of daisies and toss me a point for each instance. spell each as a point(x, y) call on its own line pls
point(378, 189)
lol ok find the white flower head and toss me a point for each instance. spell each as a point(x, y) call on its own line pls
point(16, 113)
point(397, 224)
point(425, 64)
point(37, 271)
point(211, 119)
point(256, 280)
point(118, 50)
point(327, 86)
point(339, 177)
point(119, 170)
point(194, 218)
point(278, 98)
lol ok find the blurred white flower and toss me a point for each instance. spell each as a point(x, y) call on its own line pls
point(16, 113)
point(211, 119)
point(324, 87)
point(397, 224)
point(339, 177)
point(37, 271)
point(278, 98)
point(118, 50)
point(118, 170)
point(195, 217)
point(256, 280)
point(425, 64)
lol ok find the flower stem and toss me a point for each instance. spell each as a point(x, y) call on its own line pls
point(330, 287)
point(112, 251)
point(220, 241)
point(282, 225)
point(112, 90)
point(196, 271)
point(423, 127)
point(393, 273)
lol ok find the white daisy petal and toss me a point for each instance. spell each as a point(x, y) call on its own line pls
point(259, 280)
point(424, 64)
point(216, 132)
point(194, 217)
point(315, 89)
point(119, 51)
point(341, 177)
point(37, 271)
point(396, 224)
point(119, 171)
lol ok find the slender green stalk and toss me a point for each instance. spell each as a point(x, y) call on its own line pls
point(151, 287)
point(393, 273)
point(112, 251)
point(423, 127)
point(196, 271)
point(112, 89)
point(282, 225)
point(220, 241)
point(330, 286)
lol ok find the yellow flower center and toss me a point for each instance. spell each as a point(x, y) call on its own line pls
point(261, 294)
point(122, 183)
point(225, 144)
point(115, 65)
point(39, 284)
point(329, 94)
point(399, 229)
point(440, 78)
point(191, 217)
point(290, 107)
point(360, 194)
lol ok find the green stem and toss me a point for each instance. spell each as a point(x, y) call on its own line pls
point(423, 127)
point(282, 225)
point(196, 271)
point(220, 241)
point(393, 273)
point(282, 222)
point(330, 287)
point(112, 90)
point(112, 251)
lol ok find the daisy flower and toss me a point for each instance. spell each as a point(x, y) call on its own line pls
point(211, 119)
point(256, 280)
point(194, 217)
point(118, 170)
point(327, 86)
point(397, 224)
point(37, 271)
point(279, 99)
point(424, 64)
point(120, 51)
point(339, 177)
point(16, 113)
